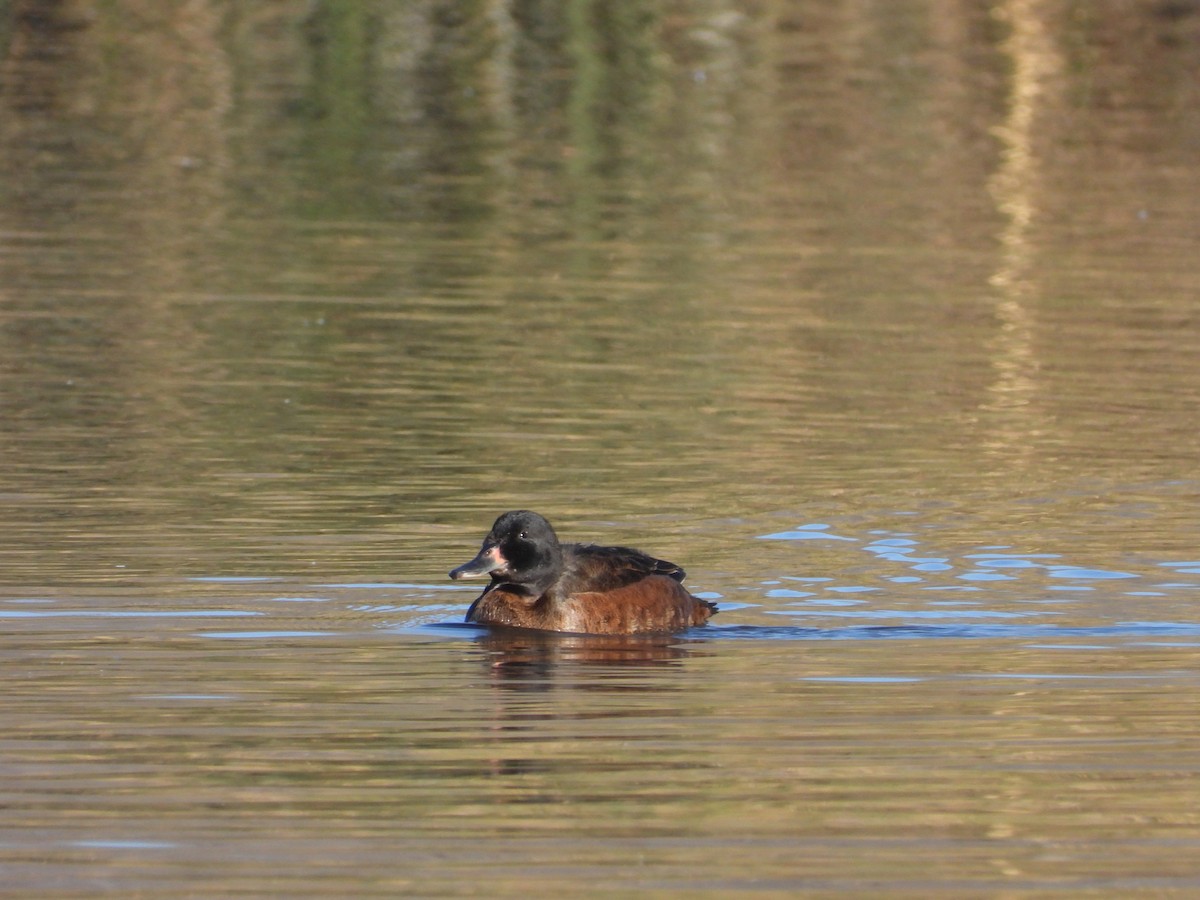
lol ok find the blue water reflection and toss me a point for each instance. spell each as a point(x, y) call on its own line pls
point(885, 586)
point(976, 566)
point(1023, 632)
point(1008, 591)
point(806, 533)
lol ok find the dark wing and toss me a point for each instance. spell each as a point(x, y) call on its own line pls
point(587, 567)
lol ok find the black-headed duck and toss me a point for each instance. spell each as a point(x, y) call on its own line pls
point(580, 588)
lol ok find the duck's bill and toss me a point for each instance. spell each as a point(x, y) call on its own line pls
point(488, 561)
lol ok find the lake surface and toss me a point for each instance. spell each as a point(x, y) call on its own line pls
point(880, 319)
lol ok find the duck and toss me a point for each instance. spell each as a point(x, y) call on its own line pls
point(541, 584)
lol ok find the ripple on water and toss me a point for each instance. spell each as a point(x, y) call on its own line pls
point(126, 613)
point(1007, 583)
point(806, 533)
point(979, 630)
point(264, 635)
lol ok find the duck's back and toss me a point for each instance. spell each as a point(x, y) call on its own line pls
point(588, 567)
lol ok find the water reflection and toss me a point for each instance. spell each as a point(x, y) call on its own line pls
point(384, 259)
point(292, 294)
point(1016, 188)
point(522, 659)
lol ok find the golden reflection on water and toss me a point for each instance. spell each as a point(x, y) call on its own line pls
point(1015, 186)
point(1035, 61)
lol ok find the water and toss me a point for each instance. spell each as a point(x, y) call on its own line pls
point(881, 321)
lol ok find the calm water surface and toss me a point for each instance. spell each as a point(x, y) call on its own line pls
point(881, 320)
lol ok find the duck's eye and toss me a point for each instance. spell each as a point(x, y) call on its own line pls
point(523, 535)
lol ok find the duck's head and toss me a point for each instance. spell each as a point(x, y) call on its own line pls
point(521, 550)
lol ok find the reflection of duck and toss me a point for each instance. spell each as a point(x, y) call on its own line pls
point(516, 652)
point(539, 583)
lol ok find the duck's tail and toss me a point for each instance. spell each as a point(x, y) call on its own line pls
point(703, 610)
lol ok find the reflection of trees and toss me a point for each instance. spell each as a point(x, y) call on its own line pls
point(537, 116)
point(302, 234)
